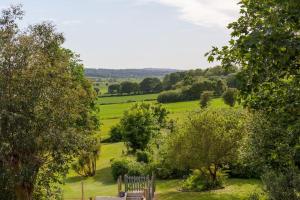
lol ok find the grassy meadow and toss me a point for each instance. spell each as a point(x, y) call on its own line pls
point(103, 185)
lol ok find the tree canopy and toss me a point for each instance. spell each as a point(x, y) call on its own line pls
point(47, 107)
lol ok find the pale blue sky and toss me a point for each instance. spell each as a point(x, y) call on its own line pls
point(137, 33)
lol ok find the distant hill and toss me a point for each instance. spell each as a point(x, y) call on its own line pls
point(127, 73)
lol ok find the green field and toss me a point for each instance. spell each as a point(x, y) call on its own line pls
point(103, 185)
point(111, 113)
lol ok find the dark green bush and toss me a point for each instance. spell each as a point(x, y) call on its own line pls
point(170, 96)
point(282, 185)
point(136, 169)
point(205, 98)
point(116, 133)
point(142, 156)
point(229, 96)
point(244, 170)
point(119, 168)
point(201, 181)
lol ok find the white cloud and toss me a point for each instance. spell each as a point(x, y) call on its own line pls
point(204, 12)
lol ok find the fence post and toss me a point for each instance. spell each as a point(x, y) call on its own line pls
point(82, 191)
point(119, 185)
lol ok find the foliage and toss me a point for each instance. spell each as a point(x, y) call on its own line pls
point(205, 98)
point(229, 96)
point(169, 96)
point(200, 180)
point(47, 109)
point(87, 162)
point(121, 167)
point(116, 133)
point(143, 156)
point(114, 88)
point(282, 185)
point(150, 85)
point(219, 134)
point(220, 87)
point(266, 45)
point(129, 87)
point(140, 123)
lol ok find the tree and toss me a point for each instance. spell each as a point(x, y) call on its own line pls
point(141, 123)
point(129, 87)
point(205, 98)
point(208, 140)
point(87, 162)
point(97, 90)
point(150, 85)
point(220, 87)
point(114, 88)
point(265, 45)
point(229, 96)
point(47, 110)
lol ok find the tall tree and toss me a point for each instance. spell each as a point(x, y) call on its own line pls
point(265, 44)
point(46, 110)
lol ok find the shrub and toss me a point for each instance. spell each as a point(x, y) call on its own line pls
point(202, 181)
point(205, 98)
point(169, 96)
point(141, 123)
point(244, 170)
point(142, 156)
point(116, 133)
point(119, 168)
point(229, 96)
point(281, 185)
point(136, 169)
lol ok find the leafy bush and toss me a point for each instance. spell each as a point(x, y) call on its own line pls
point(202, 181)
point(116, 133)
point(142, 156)
point(169, 96)
point(141, 123)
point(229, 96)
point(205, 98)
point(282, 185)
point(121, 167)
point(244, 170)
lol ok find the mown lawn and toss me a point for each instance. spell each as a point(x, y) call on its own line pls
point(235, 189)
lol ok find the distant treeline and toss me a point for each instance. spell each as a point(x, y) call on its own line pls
point(181, 85)
point(127, 73)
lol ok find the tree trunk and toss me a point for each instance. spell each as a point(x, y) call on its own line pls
point(24, 191)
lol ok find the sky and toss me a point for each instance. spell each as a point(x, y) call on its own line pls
point(136, 33)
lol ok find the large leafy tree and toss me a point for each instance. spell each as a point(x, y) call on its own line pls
point(149, 85)
point(46, 109)
point(265, 45)
point(141, 123)
point(208, 140)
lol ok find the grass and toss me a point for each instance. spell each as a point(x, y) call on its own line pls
point(235, 189)
point(102, 183)
point(111, 113)
point(125, 99)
